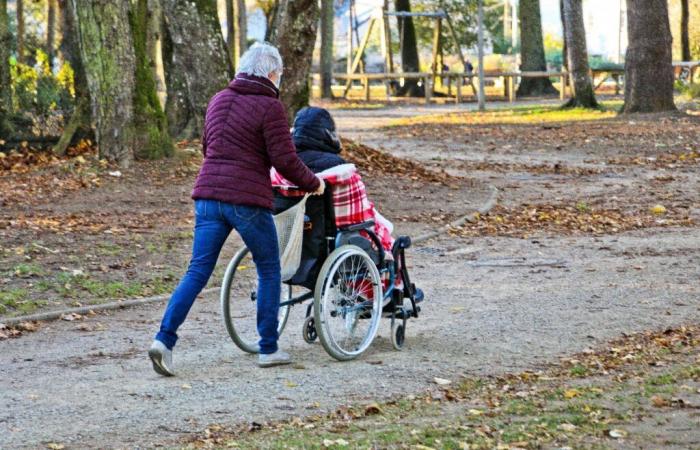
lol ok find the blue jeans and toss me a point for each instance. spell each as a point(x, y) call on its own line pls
point(214, 221)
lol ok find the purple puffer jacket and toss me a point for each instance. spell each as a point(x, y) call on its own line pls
point(245, 133)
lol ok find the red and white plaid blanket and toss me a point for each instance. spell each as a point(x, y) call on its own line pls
point(350, 200)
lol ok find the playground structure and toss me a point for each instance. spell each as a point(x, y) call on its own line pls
point(379, 20)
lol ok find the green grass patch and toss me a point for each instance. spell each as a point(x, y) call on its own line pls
point(72, 286)
point(24, 270)
point(522, 115)
point(16, 302)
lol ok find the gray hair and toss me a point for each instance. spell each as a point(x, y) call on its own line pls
point(261, 59)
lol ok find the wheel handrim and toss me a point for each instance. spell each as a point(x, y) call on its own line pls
point(349, 313)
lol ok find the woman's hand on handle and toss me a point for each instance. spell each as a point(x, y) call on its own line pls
point(321, 187)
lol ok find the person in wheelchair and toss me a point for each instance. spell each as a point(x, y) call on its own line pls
point(319, 148)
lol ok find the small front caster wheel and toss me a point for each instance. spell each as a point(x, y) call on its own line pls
point(309, 331)
point(398, 335)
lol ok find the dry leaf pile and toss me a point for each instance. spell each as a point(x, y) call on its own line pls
point(663, 160)
point(378, 163)
point(564, 220)
point(95, 222)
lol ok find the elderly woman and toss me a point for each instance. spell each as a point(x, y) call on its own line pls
point(245, 133)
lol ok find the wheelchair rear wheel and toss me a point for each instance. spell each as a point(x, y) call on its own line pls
point(239, 302)
point(347, 302)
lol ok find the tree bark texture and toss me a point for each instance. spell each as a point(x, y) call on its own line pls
point(577, 55)
point(685, 40)
point(152, 140)
point(231, 32)
point(296, 36)
point(154, 46)
point(107, 52)
point(564, 50)
point(410, 62)
point(51, 32)
point(241, 36)
point(5, 86)
point(327, 18)
point(196, 62)
point(532, 50)
point(19, 9)
point(78, 126)
point(648, 62)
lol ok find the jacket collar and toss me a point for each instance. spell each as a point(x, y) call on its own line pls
point(254, 85)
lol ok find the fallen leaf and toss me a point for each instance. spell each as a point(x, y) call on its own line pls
point(617, 433)
point(659, 401)
point(372, 409)
point(567, 427)
point(571, 393)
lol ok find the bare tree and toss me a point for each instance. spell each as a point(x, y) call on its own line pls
point(648, 63)
point(577, 55)
point(532, 50)
point(327, 17)
point(295, 38)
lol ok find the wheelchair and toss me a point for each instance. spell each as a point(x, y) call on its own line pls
point(346, 277)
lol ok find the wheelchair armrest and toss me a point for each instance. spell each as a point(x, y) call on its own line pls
point(369, 225)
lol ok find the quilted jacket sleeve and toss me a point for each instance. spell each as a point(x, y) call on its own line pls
point(280, 148)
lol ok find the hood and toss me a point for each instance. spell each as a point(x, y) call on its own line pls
point(314, 129)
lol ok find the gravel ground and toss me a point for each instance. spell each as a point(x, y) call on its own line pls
point(494, 305)
point(485, 313)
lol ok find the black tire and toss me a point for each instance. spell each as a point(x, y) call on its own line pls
point(237, 289)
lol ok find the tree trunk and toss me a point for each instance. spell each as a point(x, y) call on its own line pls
point(532, 50)
point(577, 55)
point(151, 126)
point(107, 52)
point(270, 11)
point(51, 32)
point(648, 63)
point(685, 40)
point(196, 63)
point(154, 46)
point(564, 50)
point(231, 32)
point(5, 86)
point(19, 8)
point(296, 36)
point(410, 61)
point(78, 127)
point(327, 18)
point(241, 16)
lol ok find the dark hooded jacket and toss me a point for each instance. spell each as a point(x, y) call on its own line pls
point(316, 140)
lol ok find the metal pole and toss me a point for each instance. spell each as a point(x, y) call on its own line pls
point(482, 99)
point(618, 58)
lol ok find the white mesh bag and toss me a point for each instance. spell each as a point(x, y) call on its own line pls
point(290, 234)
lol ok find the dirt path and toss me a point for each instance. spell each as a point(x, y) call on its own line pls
point(494, 304)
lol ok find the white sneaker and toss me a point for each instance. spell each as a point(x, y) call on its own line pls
point(278, 358)
point(162, 359)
